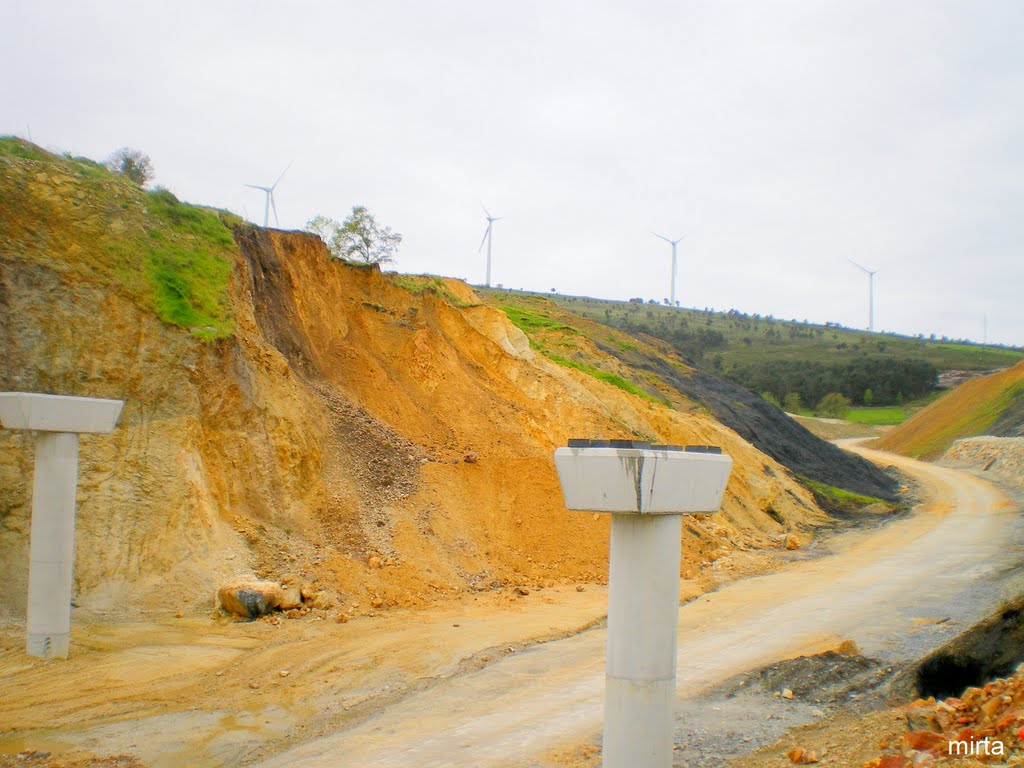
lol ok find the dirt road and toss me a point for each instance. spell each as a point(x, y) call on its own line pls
point(870, 590)
point(456, 686)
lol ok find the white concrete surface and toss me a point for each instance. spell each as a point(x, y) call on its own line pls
point(58, 413)
point(647, 489)
point(52, 546)
point(640, 671)
point(643, 480)
point(58, 419)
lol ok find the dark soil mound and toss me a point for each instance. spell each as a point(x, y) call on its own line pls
point(769, 429)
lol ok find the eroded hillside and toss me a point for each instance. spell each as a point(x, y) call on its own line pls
point(287, 413)
point(990, 405)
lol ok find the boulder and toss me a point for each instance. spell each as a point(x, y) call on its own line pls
point(291, 597)
point(250, 599)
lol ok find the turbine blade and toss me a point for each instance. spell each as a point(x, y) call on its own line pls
point(282, 175)
point(485, 210)
point(661, 236)
point(255, 186)
point(487, 233)
point(272, 205)
point(858, 266)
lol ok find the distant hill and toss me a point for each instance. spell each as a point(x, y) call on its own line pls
point(991, 405)
point(724, 340)
point(788, 357)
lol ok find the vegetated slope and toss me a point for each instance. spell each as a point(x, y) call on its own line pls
point(792, 359)
point(991, 405)
point(289, 414)
point(652, 366)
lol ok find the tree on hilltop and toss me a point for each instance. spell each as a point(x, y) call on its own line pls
point(132, 163)
point(359, 238)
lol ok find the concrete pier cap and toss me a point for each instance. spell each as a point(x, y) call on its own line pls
point(647, 489)
point(57, 421)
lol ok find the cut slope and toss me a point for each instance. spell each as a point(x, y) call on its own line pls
point(992, 405)
point(651, 367)
point(325, 414)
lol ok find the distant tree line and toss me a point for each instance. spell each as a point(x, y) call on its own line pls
point(865, 381)
point(692, 343)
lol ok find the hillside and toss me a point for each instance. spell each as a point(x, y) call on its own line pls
point(991, 405)
point(788, 357)
point(652, 368)
point(388, 438)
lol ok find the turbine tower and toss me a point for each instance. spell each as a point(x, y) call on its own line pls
point(871, 293)
point(487, 239)
point(674, 243)
point(269, 203)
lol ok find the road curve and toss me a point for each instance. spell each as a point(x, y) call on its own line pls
point(943, 560)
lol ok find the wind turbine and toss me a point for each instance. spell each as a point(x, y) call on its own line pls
point(674, 243)
point(270, 197)
point(871, 293)
point(487, 239)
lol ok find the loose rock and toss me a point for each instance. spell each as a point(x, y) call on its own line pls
point(291, 597)
point(250, 599)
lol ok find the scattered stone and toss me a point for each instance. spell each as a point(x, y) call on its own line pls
point(284, 673)
point(792, 542)
point(250, 599)
point(523, 591)
point(374, 562)
point(294, 613)
point(801, 756)
point(254, 685)
point(342, 618)
point(923, 719)
point(307, 591)
point(471, 458)
point(179, 615)
point(376, 601)
point(924, 741)
point(580, 588)
point(322, 600)
point(787, 693)
point(848, 648)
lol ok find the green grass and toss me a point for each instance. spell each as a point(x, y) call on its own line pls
point(173, 258)
point(877, 417)
point(838, 496)
point(750, 339)
point(188, 268)
point(419, 284)
point(607, 377)
point(530, 321)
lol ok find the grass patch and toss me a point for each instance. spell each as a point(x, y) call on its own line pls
point(836, 499)
point(420, 284)
point(876, 417)
point(188, 266)
point(11, 146)
point(608, 378)
point(530, 321)
point(171, 258)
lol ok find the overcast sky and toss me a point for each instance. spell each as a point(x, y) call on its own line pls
point(783, 138)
